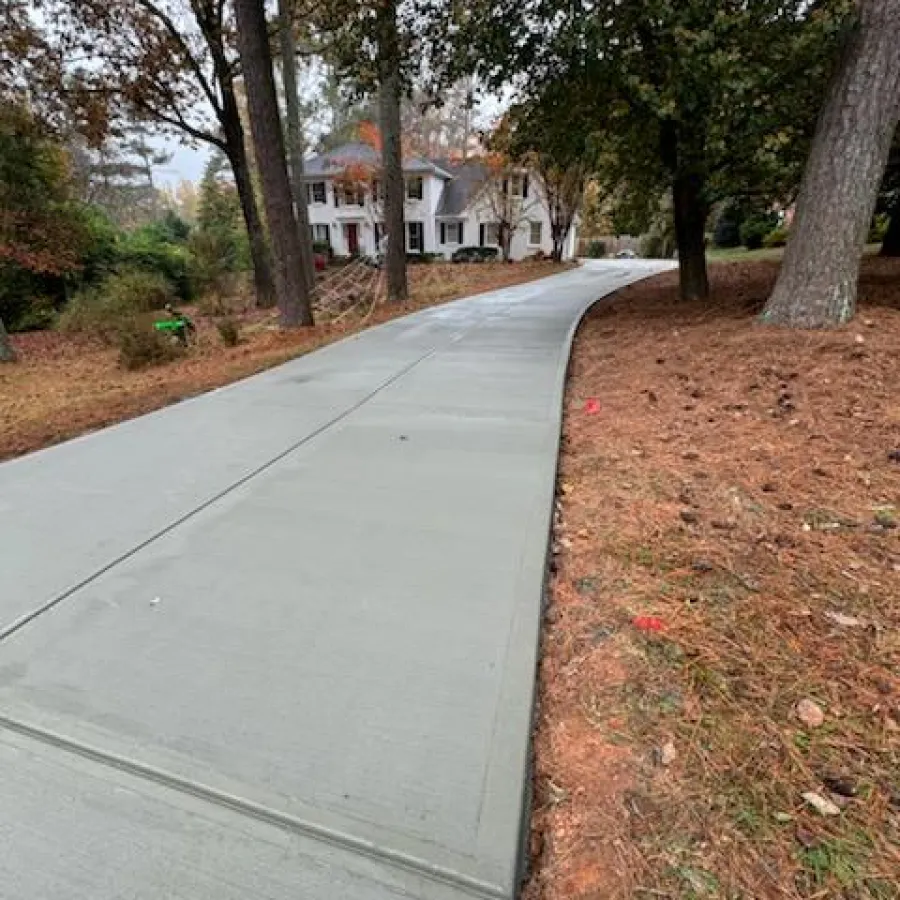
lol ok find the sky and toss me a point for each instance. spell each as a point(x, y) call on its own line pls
point(187, 163)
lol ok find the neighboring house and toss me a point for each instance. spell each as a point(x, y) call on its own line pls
point(448, 205)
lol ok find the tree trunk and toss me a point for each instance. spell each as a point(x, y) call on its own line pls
point(818, 280)
point(7, 352)
point(236, 151)
point(392, 151)
point(268, 141)
point(891, 244)
point(691, 212)
point(506, 242)
point(295, 136)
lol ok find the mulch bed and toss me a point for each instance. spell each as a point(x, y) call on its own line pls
point(720, 686)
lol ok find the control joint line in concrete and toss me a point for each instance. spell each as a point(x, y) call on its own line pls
point(33, 614)
point(260, 812)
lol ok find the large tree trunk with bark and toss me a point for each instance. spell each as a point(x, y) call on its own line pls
point(818, 280)
point(236, 152)
point(558, 240)
point(7, 352)
point(268, 141)
point(295, 135)
point(891, 244)
point(691, 211)
point(392, 151)
point(505, 236)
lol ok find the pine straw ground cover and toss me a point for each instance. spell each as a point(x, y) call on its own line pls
point(65, 385)
point(726, 549)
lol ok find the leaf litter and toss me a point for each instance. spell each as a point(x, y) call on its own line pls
point(759, 616)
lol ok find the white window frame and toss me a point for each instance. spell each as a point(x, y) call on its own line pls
point(321, 233)
point(517, 186)
point(540, 238)
point(420, 229)
point(418, 194)
point(452, 238)
point(491, 234)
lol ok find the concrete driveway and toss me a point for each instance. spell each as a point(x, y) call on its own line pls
point(279, 641)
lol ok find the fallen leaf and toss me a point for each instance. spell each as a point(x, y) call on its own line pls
point(592, 407)
point(810, 713)
point(843, 620)
point(821, 805)
point(667, 754)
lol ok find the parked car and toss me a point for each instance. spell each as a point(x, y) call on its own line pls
point(475, 254)
point(626, 254)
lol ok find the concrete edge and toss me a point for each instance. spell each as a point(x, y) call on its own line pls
point(522, 866)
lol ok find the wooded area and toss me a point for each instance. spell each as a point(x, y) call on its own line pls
point(681, 118)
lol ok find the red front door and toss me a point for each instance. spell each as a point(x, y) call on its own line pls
point(351, 236)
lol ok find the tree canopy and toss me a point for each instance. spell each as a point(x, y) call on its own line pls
point(701, 98)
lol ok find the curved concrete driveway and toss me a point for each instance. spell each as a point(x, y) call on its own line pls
point(279, 641)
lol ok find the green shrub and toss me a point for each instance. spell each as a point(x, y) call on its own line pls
point(475, 254)
point(323, 248)
point(100, 253)
point(229, 332)
point(596, 250)
point(140, 346)
point(170, 229)
point(142, 250)
point(776, 238)
point(103, 311)
point(213, 255)
point(755, 228)
point(39, 315)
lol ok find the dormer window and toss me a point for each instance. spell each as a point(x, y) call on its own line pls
point(415, 188)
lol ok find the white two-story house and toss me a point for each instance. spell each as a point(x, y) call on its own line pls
point(449, 205)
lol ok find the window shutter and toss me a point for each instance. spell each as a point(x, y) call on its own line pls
point(443, 232)
point(505, 187)
point(481, 235)
point(525, 187)
point(328, 234)
point(462, 236)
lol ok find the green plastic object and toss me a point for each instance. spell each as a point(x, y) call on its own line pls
point(172, 324)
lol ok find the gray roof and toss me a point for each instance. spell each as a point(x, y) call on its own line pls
point(461, 179)
point(335, 161)
point(466, 179)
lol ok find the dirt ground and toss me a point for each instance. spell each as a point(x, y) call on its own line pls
point(64, 385)
point(723, 636)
